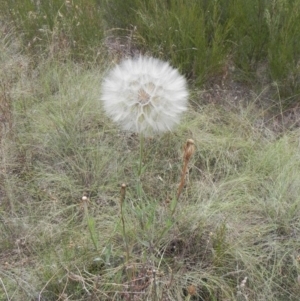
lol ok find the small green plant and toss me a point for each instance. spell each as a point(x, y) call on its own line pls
point(219, 245)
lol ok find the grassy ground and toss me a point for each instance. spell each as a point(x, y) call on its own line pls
point(233, 236)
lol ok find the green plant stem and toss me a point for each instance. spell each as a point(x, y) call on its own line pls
point(123, 192)
point(124, 235)
point(141, 156)
point(140, 167)
point(91, 225)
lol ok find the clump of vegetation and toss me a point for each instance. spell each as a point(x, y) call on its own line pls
point(73, 26)
point(215, 220)
point(208, 39)
point(252, 42)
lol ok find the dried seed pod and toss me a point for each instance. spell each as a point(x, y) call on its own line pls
point(189, 149)
point(191, 290)
point(123, 192)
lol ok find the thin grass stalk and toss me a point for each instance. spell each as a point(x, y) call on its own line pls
point(122, 199)
point(90, 221)
point(141, 156)
point(154, 285)
point(140, 166)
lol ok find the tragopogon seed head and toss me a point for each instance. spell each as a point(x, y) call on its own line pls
point(145, 95)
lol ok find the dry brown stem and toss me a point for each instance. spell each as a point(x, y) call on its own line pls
point(189, 149)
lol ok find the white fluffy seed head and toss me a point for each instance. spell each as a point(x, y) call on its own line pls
point(145, 95)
